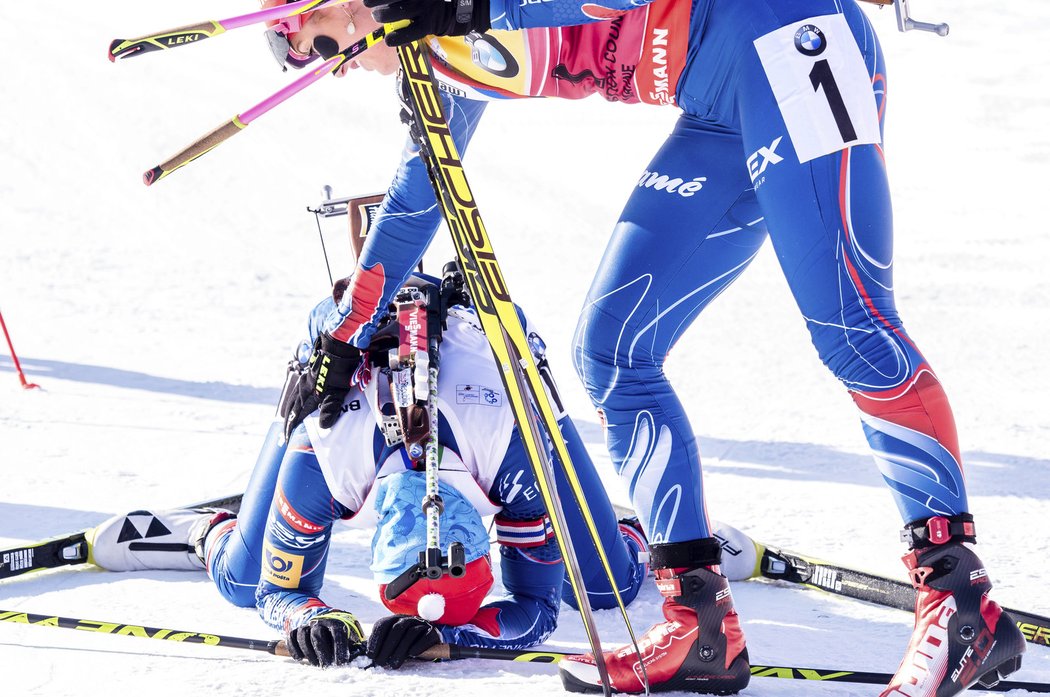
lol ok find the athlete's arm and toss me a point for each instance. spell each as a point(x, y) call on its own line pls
point(515, 14)
point(530, 565)
point(405, 225)
point(295, 546)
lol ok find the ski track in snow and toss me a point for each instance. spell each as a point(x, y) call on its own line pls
point(159, 320)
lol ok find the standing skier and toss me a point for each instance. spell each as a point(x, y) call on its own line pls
point(364, 470)
point(780, 135)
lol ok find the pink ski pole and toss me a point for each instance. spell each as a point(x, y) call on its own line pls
point(239, 122)
point(18, 366)
point(194, 33)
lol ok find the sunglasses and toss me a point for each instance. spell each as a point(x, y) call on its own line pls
point(282, 50)
point(277, 35)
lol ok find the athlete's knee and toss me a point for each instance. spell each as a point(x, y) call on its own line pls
point(231, 586)
point(231, 566)
point(606, 359)
point(593, 361)
point(869, 354)
point(629, 566)
point(238, 595)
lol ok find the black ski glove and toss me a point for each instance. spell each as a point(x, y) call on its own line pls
point(332, 638)
point(430, 17)
point(322, 383)
point(399, 637)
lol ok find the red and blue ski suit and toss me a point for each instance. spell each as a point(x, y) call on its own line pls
point(780, 135)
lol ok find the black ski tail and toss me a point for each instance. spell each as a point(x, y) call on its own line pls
point(49, 554)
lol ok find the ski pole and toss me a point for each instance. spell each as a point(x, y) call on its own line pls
point(239, 122)
point(275, 647)
point(26, 385)
point(195, 33)
point(445, 652)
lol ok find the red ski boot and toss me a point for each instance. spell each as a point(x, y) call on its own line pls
point(700, 648)
point(961, 636)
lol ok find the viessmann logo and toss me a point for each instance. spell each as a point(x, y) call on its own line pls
point(661, 84)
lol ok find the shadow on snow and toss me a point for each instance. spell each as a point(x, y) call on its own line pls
point(39, 370)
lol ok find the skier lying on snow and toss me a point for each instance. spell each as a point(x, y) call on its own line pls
point(273, 554)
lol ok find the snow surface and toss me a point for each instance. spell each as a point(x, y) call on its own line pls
point(159, 320)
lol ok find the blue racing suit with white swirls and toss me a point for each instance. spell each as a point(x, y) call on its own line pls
point(780, 136)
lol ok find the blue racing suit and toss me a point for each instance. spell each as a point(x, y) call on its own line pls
point(780, 135)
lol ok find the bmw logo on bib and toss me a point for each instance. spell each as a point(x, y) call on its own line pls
point(810, 41)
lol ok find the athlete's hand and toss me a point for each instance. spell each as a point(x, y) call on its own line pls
point(396, 638)
point(323, 384)
point(430, 18)
point(332, 638)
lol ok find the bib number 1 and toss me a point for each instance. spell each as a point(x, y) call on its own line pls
point(823, 79)
point(821, 84)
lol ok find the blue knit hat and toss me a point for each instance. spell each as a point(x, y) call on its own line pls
point(401, 533)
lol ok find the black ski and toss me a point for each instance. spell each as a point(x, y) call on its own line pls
point(58, 551)
point(781, 565)
point(71, 549)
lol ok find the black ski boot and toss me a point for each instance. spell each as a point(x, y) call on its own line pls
point(961, 636)
point(700, 648)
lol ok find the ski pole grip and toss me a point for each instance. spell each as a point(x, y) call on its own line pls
point(195, 150)
point(280, 648)
point(437, 652)
point(171, 38)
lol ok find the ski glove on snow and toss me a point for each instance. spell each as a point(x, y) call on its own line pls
point(330, 639)
point(427, 17)
point(397, 638)
point(321, 384)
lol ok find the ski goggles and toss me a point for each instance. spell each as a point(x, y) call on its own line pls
point(282, 51)
point(278, 35)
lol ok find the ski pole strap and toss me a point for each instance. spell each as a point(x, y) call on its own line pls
point(939, 530)
point(705, 551)
point(453, 290)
